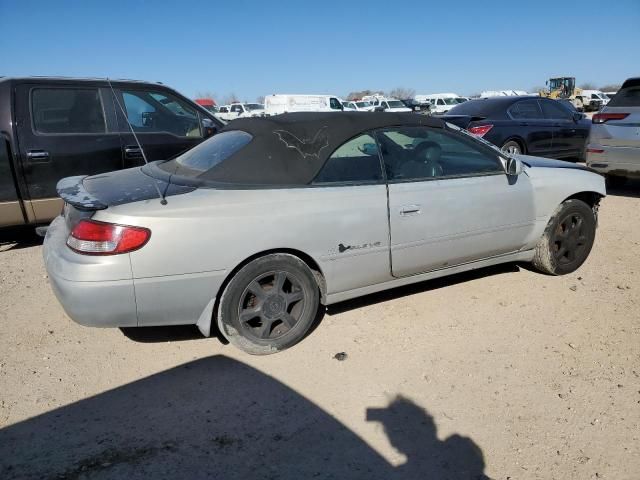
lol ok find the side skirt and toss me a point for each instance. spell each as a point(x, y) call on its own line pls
point(525, 256)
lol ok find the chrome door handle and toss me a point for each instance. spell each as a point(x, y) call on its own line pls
point(131, 151)
point(410, 210)
point(38, 156)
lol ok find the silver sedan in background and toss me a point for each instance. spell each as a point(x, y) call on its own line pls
point(613, 147)
point(267, 221)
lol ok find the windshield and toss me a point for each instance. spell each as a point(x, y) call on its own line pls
point(254, 106)
point(363, 104)
point(460, 100)
point(208, 154)
point(450, 101)
point(395, 104)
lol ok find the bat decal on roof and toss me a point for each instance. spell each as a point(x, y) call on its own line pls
point(307, 147)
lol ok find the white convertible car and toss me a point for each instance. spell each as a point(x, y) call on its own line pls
point(263, 223)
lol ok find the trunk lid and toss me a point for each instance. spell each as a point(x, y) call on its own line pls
point(102, 191)
point(461, 121)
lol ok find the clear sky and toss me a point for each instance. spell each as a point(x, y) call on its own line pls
point(254, 48)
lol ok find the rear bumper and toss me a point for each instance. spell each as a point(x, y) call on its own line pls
point(76, 281)
point(100, 291)
point(623, 161)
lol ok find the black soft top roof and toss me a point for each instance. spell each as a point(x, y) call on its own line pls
point(290, 149)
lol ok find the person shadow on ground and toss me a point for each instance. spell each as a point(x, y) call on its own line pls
point(413, 432)
point(219, 418)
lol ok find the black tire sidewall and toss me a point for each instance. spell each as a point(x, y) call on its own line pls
point(571, 206)
point(229, 323)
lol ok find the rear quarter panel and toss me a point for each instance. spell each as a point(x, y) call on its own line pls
point(212, 230)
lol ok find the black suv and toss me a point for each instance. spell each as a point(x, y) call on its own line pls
point(52, 128)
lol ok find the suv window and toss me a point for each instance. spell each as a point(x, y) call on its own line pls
point(335, 103)
point(355, 161)
point(525, 109)
point(415, 153)
point(627, 97)
point(554, 110)
point(67, 110)
point(159, 112)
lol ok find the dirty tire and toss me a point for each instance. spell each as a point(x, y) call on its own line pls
point(567, 240)
point(269, 305)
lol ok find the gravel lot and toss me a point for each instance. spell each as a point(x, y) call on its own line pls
point(502, 372)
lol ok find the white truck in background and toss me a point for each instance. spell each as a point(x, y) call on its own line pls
point(240, 110)
point(286, 103)
point(593, 100)
point(440, 102)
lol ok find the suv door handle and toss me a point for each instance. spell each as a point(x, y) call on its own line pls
point(410, 210)
point(132, 151)
point(38, 156)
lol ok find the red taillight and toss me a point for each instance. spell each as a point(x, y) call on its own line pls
point(98, 238)
point(605, 117)
point(595, 150)
point(480, 130)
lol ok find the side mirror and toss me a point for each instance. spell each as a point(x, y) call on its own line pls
point(514, 166)
point(208, 127)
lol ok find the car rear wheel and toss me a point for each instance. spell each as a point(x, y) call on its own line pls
point(269, 304)
point(567, 240)
point(512, 147)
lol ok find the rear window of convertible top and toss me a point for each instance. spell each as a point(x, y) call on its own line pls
point(208, 154)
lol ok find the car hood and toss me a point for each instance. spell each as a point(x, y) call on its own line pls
point(534, 162)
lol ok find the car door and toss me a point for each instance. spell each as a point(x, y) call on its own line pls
point(450, 201)
point(351, 219)
point(165, 124)
point(568, 138)
point(529, 123)
point(64, 129)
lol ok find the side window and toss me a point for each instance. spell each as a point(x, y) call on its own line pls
point(552, 109)
point(594, 97)
point(440, 101)
point(236, 108)
point(334, 103)
point(355, 161)
point(224, 110)
point(159, 112)
point(529, 109)
point(416, 153)
point(67, 110)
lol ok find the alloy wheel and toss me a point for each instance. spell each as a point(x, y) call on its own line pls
point(271, 305)
point(570, 240)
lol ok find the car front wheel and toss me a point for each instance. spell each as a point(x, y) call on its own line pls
point(269, 305)
point(567, 240)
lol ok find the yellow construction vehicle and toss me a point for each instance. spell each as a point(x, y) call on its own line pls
point(564, 87)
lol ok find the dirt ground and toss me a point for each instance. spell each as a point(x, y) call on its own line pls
point(503, 373)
